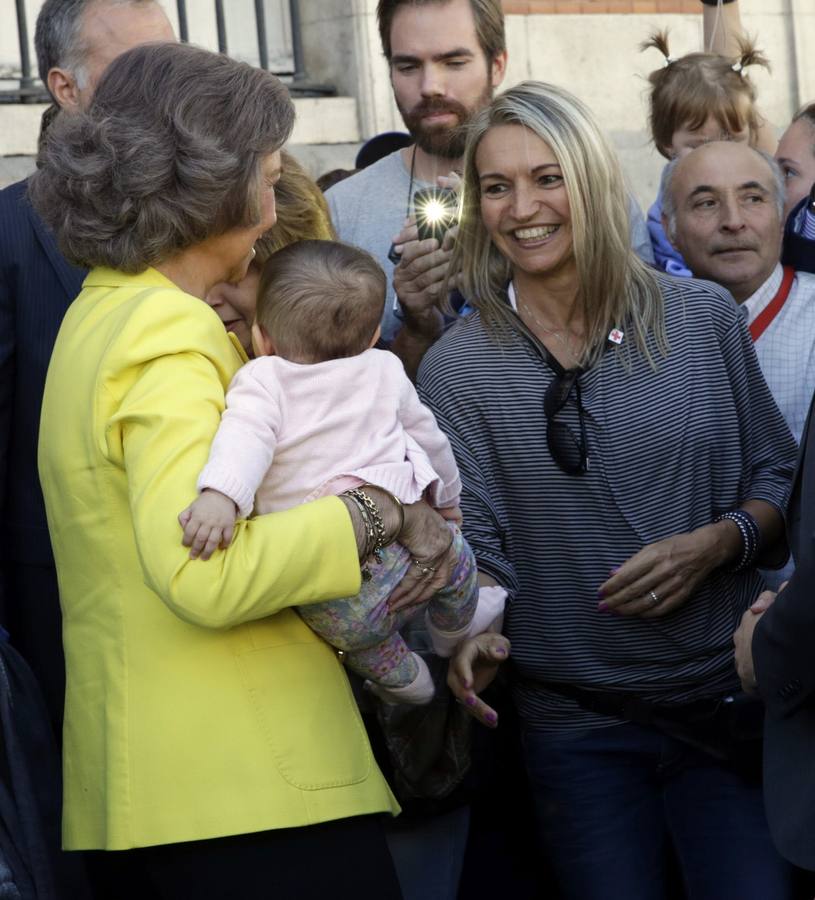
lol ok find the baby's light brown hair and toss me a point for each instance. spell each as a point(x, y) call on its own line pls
point(320, 300)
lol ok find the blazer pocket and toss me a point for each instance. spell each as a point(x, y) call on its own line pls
point(308, 714)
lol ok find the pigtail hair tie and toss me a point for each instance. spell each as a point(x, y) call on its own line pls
point(658, 40)
point(749, 55)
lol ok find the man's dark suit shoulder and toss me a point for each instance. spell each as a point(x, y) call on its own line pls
point(37, 284)
point(784, 657)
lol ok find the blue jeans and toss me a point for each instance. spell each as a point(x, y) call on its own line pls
point(428, 853)
point(610, 801)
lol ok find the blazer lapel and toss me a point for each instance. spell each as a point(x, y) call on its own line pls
point(793, 506)
point(70, 277)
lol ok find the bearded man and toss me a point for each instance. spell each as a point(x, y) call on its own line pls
point(446, 59)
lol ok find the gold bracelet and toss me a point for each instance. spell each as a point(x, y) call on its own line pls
point(375, 527)
point(400, 508)
point(372, 521)
point(367, 503)
point(370, 533)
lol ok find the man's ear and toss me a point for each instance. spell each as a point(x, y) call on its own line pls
point(261, 342)
point(670, 233)
point(498, 68)
point(63, 87)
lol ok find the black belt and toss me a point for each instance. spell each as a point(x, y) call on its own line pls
point(727, 728)
point(631, 707)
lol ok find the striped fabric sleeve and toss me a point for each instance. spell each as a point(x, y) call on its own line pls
point(482, 519)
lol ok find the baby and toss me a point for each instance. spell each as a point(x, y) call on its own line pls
point(320, 412)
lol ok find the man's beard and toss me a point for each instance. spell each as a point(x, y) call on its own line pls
point(442, 140)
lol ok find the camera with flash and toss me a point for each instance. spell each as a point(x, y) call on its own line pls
point(436, 211)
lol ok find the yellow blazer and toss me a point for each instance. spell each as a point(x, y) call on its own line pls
point(198, 704)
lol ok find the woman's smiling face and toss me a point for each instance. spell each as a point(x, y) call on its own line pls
point(524, 204)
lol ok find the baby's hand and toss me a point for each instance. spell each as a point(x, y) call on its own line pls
point(452, 514)
point(208, 523)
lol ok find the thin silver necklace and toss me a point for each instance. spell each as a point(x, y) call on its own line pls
point(557, 333)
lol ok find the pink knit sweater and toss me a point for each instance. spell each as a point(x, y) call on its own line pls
point(293, 432)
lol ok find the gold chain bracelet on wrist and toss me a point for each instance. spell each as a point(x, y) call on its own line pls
point(370, 534)
point(376, 537)
point(399, 508)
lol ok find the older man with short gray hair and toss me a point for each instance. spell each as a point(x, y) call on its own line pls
point(723, 208)
point(76, 40)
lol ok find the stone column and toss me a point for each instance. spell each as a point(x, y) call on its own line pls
point(342, 47)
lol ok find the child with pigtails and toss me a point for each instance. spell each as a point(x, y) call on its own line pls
point(701, 97)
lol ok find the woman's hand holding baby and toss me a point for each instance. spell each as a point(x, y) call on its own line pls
point(429, 540)
point(208, 523)
point(452, 514)
point(422, 532)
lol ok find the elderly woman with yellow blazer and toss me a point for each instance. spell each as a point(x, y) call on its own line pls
point(205, 723)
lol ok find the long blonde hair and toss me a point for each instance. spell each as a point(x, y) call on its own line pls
point(615, 288)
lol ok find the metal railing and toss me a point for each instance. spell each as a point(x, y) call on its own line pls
point(31, 89)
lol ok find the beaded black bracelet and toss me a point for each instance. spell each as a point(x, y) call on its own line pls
point(750, 537)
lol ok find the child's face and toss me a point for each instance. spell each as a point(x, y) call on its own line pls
point(684, 140)
point(797, 160)
point(235, 305)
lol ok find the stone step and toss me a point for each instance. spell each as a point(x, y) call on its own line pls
point(317, 159)
point(320, 120)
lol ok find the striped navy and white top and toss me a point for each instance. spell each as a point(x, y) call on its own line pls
point(668, 452)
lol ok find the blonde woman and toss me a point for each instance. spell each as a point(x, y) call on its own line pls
point(624, 469)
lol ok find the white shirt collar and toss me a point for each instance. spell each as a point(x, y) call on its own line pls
point(513, 299)
point(756, 302)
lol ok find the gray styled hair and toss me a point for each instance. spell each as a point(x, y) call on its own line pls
point(168, 154)
point(615, 288)
point(669, 206)
point(58, 36)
